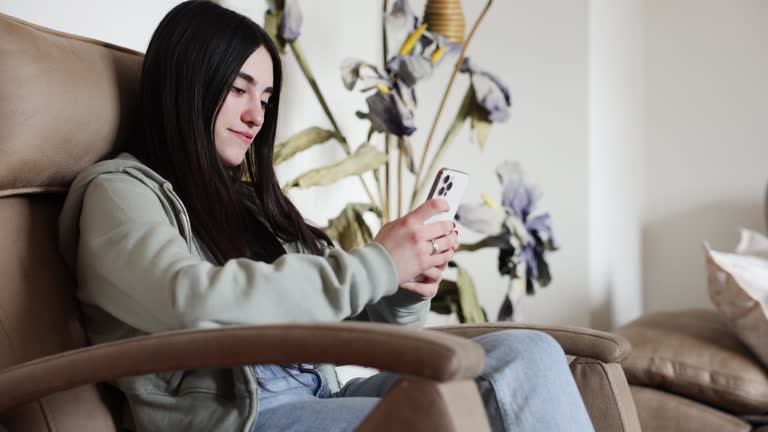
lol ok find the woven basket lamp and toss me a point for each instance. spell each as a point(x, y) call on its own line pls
point(445, 17)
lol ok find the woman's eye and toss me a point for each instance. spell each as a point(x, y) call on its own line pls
point(237, 90)
point(264, 104)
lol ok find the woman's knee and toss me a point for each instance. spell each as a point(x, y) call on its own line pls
point(521, 343)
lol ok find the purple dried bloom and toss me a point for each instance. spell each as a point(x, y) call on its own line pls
point(418, 61)
point(516, 195)
point(354, 70)
point(519, 237)
point(541, 225)
point(290, 22)
point(388, 113)
point(534, 234)
point(410, 69)
point(490, 92)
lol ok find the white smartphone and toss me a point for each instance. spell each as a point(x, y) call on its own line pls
point(449, 185)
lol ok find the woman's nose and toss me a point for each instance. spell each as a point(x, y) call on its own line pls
point(254, 115)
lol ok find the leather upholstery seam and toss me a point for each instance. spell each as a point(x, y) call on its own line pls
point(614, 391)
point(738, 392)
point(4, 329)
point(46, 415)
point(601, 365)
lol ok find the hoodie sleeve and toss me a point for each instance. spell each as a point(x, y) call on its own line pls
point(134, 263)
point(404, 308)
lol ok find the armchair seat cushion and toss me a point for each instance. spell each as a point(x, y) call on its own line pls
point(693, 353)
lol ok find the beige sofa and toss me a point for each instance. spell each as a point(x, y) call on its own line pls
point(690, 372)
point(66, 102)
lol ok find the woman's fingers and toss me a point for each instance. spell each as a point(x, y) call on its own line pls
point(436, 230)
point(409, 241)
point(439, 259)
point(450, 241)
point(431, 275)
point(453, 240)
point(427, 283)
point(421, 288)
point(429, 209)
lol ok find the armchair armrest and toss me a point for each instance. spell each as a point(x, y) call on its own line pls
point(576, 341)
point(431, 355)
point(596, 370)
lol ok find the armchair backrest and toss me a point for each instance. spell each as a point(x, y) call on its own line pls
point(65, 103)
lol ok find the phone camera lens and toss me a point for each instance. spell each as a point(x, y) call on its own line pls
point(446, 178)
point(441, 192)
point(450, 185)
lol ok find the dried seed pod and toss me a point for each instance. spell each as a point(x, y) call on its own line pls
point(446, 18)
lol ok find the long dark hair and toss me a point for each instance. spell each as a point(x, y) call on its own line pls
point(191, 63)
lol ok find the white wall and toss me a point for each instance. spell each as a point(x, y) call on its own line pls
point(706, 153)
point(539, 48)
point(616, 176)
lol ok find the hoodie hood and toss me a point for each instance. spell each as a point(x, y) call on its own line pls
point(124, 163)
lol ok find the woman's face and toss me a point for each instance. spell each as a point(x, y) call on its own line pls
point(242, 112)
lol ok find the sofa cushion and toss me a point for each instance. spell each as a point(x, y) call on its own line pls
point(694, 353)
point(738, 286)
point(661, 411)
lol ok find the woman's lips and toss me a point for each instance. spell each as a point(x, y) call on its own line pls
point(244, 136)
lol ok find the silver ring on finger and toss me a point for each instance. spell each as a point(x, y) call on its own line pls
point(435, 247)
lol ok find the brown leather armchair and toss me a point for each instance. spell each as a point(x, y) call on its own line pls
point(66, 102)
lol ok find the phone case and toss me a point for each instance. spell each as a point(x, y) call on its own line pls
point(449, 185)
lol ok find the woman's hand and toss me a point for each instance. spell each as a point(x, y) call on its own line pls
point(427, 283)
point(410, 244)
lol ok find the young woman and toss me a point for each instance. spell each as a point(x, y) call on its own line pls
point(168, 237)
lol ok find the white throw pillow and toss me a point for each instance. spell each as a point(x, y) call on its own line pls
point(752, 243)
point(738, 287)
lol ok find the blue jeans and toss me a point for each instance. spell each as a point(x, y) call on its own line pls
point(526, 385)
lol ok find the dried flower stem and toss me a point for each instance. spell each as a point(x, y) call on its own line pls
point(377, 171)
point(387, 136)
point(302, 61)
point(460, 60)
point(386, 203)
point(400, 168)
point(471, 247)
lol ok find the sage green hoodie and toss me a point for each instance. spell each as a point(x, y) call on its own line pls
point(140, 270)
